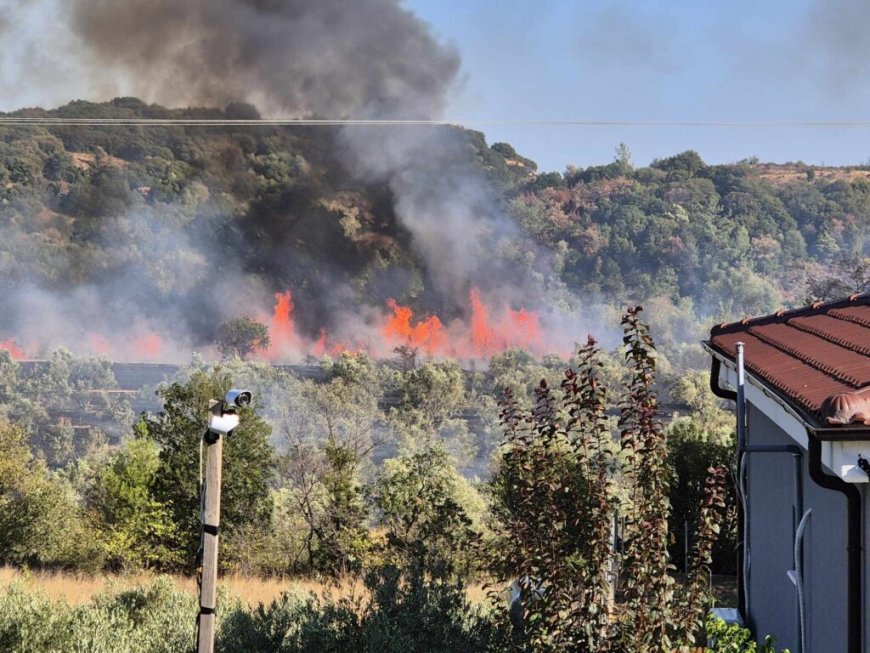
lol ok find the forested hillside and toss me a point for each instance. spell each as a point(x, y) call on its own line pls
point(108, 227)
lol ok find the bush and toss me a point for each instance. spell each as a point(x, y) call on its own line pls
point(404, 611)
point(158, 618)
point(731, 638)
point(561, 480)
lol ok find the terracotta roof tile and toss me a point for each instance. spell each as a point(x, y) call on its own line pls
point(817, 358)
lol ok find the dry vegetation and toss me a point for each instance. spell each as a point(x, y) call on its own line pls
point(81, 588)
point(780, 175)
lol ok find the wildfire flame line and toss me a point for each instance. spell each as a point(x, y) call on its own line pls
point(487, 330)
point(480, 337)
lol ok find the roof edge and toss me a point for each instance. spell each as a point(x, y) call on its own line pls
point(856, 299)
point(842, 405)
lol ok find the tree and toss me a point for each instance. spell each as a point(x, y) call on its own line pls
point(553, 498)
point(329, 431)
point(688, 163)
point(70, 384)
point(343, 536)
point(693, 451)
point(10, 380)
point(432, 399)
point(248, 464)
point(518, 371)
point(844, 276)
point(138, 526)
point(432, 393)
point(41, 523)
point(416, 499)
point(561, 480)
point(622, 155)
point(241, 336)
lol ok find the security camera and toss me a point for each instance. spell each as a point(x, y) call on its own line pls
point(221, 423)
point(236, 398)
point(223, 415)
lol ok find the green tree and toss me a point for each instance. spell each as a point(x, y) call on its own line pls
point(66, 383)
point(692, 451)
point(248, 465)
point(41, 523)
point(417, 501)
point(328, 431)
point(241, 337)
point(138, 527)
point(342, 533)
point(435, 390)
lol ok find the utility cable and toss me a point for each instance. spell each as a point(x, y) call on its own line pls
point(23, 121)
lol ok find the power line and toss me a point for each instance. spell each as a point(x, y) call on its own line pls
point(308, 122)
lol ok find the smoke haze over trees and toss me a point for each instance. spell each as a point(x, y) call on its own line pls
point(162, 233)
point(136, 243)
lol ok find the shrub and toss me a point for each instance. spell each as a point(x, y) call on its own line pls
point(155, 619)
point(561, 480)
point(402, 611)
point(732, 638)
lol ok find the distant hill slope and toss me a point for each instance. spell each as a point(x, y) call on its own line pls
point(177, 220)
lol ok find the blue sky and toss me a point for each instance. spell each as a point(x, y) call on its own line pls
point(622, 60)
point(704, 60)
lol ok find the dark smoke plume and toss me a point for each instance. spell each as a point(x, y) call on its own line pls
point(325, 58)
point(332, 59)
point(290, 58)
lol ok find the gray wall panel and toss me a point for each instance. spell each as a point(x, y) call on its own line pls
point(773, 599)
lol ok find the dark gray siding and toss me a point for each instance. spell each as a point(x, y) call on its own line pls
point(773, 597)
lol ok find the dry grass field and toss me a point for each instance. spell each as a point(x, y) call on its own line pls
point(781, 174)
point(80, 588)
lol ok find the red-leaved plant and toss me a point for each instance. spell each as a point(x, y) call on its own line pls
point(563, 477)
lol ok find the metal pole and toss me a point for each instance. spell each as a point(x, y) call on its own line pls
point(741, 479)
point(741, 399)
point(614, 565)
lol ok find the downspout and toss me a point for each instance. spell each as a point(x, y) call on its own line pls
point(730, 395)
point(718, 390)
point(853, 547)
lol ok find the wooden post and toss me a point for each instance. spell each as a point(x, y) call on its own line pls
point(211, 516)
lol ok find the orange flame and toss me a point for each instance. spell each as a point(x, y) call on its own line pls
point(282, 329)
point(526, 327)
point(484, 340)
point(515, 328)
point(319, 348)
point(148, 346)
point(14, 350)
point(324, 345)
point(99, 344)
point(282, 320)
point(426, 334)
point(488, 329)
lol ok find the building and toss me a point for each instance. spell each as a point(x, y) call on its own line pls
point(804, 465)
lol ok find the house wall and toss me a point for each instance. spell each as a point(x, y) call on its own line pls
point(865, 518)
point(773, 606)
